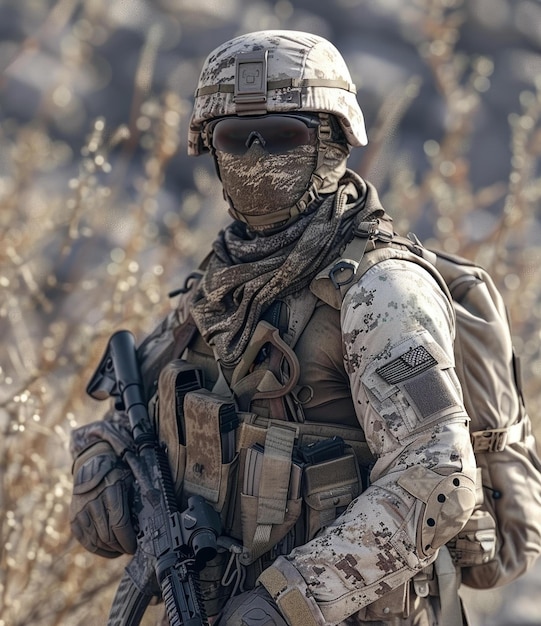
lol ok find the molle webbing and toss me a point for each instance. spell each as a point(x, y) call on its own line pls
point(273, 486)
point(286, 83)
point(253, 428)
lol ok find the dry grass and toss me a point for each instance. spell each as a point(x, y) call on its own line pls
point(497, 226)
point(80, 257)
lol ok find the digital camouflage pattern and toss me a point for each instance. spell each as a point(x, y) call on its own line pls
point(260, 184)
point(304, 73)
point(398, 345)
point(266, 190)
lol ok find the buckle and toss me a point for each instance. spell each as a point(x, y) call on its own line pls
point(423, 581)
point(372, 230)
point(493, 440)
point(324, 130)
point(346, 268)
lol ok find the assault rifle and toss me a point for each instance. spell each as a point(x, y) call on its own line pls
point(172, 546)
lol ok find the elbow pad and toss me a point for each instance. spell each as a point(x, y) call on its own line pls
point(445, 504)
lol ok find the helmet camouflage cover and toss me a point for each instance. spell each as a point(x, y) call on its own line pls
point(276, 71)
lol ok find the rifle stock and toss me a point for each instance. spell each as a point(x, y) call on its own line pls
point(172, 547)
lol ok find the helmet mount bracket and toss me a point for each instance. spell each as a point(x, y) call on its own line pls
point(250, 95)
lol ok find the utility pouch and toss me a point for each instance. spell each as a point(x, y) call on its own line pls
point(476, 543)
point(270, 502)
point(176, 379)
point(211, 458)
point(329, 487)
point(394, 604)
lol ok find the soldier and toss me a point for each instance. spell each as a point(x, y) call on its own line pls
point(351, 465)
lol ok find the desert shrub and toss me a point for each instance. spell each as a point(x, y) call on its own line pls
point(90, 244)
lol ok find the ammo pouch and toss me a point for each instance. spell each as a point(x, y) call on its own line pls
point(176, 379)
point(270, 502)
point(210, 421)
point(475, 544)
point(320, 486)
point(198, 428)
point(247, 466)
point(329, 487)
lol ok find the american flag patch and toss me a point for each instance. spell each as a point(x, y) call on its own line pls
point(410, 364)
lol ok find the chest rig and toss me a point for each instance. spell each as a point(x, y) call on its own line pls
point(273, 444)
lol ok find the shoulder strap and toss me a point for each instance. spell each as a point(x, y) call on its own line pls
point(169, 339)
point(372, 243)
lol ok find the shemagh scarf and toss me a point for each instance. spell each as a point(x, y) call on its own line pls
point(246, 273)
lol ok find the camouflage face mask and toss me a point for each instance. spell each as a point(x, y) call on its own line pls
point(259, 184)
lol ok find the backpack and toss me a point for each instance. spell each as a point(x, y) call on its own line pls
point(503, 537)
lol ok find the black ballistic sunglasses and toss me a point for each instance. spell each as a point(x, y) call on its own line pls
point(275, 133)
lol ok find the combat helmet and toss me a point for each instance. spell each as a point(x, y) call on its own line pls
point(276, 71)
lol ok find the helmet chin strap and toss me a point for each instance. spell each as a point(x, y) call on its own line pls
point(323, 180)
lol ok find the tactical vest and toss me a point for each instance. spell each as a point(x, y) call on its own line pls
point(292, 415)
point(242, 438)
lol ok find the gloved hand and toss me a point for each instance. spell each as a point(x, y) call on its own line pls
point(100, 508)
point(251, 608)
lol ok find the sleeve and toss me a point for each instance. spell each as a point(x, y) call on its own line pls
point(397, 329)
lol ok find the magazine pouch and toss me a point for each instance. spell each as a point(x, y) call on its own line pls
point(329, 487)
point(270, 501)
point(211, 458)
point(176, 379)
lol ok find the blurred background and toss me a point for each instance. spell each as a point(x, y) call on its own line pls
point(102, 214)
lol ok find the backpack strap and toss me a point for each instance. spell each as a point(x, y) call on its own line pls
point(372, 243)
point(343, 273)
point(496, 439)
point(448, 577)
